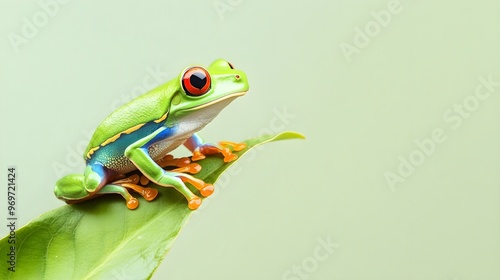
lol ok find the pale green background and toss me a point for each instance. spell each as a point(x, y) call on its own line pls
point(442, 223)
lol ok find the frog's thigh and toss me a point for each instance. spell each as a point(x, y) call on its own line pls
point(94, 177)
point(71, 187)
point(138, 154)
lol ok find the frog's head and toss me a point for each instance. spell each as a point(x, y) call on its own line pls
point(204, 92)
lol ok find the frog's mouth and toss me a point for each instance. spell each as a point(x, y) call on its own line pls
point(227, 99)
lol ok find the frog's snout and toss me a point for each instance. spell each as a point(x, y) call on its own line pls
point(241, 78)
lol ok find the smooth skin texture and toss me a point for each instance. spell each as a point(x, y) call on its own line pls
point(140, 134)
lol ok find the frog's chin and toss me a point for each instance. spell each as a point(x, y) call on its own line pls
point(220, 102)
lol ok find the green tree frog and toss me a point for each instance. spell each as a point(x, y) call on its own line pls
point(140, 134)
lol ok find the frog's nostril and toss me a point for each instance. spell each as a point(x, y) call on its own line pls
point(237, 77)
point(230, 65)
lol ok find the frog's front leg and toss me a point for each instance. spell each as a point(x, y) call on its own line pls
point(184, 165)
point(139, 156)
point(199, 149)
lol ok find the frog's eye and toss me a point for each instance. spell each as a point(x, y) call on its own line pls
point(196, 81)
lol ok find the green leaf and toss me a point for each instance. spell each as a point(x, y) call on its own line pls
point(102, 239)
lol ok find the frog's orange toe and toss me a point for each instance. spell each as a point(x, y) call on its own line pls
point(230, 157)
point(144, 180)
point(235, 146)
point(197, 155)
point(183, 161)
point(134, 179)
point(193, 168)
point(150, 194)
point(194, 203)
point(132, 203)
point(239, 147)
point(207, 190)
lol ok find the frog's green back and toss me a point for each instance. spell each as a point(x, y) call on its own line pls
point(147, 107)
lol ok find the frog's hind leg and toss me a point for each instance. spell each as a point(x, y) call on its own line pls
point(72, 189)
point(120, 187)
point(132, 202)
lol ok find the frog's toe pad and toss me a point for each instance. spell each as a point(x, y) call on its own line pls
point(230, 157)
point(150, 194)
point(132, 203)
point(183, 161)
point(207, 190)
point(194, 203)
point(193, 168)
point(144, 180)
point(235, 146)
point(197, 155)
point(239, 147)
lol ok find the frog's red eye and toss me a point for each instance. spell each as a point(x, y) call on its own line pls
point(196, 81)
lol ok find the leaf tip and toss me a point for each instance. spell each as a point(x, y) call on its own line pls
point(289, 135)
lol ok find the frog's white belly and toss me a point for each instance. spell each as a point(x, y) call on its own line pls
point(159, 149)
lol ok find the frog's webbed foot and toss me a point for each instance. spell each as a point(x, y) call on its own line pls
point(183, 164)
point(224, 149)
point(131, 182)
